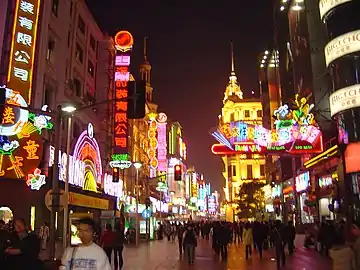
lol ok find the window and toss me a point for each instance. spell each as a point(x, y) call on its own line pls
point(92, 43)
point(71, 7)
point(232, 118)
point(55, 7)
point(76, 129)
point(234, 170)
point(249, 172)
point(81, 24)
point(50, 50)
point(259, 113)
point(47, 97)
point(79, 53)
point(77, 87)
point(247, 113)
point(229, 171)
point(262, 170)
point(68, 39)
point(91, 68)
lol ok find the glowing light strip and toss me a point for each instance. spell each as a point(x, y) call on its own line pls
point(13, 38)
point(79, 144)
point(312, 161)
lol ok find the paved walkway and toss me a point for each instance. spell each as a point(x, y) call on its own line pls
point(164, 255)
point(159, 255)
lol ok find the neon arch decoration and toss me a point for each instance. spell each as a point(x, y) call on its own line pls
point(87, 150)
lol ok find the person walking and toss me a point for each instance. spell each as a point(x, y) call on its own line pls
point(225, 237)
point(190, 243)
point(44, 235)
point(119, 244)
point(290, 234)
point(180, 233)
point(248, 240)
point(107, 240)
point(278, 236)
point(87, 255)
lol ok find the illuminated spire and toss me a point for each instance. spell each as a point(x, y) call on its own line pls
point(145, 49)
point(233, 88)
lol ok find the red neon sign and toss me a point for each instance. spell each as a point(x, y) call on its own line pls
point(122, 77)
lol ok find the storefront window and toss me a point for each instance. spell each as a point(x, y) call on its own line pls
point(306, 215)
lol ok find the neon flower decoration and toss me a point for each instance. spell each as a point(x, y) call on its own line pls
point(20, 140)
point(36, 180)
point(296, 132)
point(87, 150)
point(41, 121)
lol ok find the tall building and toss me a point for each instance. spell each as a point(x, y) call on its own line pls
point(240, 168)
point(57, 55)
point(342, 52)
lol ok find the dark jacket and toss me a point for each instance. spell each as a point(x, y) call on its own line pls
point(190, 238)
point(29, 256)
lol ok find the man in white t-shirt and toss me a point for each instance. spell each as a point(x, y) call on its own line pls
point(88, 255)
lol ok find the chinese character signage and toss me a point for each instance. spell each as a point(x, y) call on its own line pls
point(22, 52)
point(124, 42)
point(162, 146)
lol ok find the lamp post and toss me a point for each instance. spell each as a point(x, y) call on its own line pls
point(137, 166)
point(55, 193)
point(69, 110)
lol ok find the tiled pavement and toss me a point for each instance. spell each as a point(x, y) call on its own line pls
point(164, 255)
point(159, 255)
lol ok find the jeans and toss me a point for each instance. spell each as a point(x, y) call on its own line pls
point(247, 251)
point(190, 251)
point(108, 251)
point(118, 258)
point(259, 245)
point(224, 252)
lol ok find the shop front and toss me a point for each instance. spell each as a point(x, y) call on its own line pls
point(306, 202)
point(288, 201)
point(328, 190)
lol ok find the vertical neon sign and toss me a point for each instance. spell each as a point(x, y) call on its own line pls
point(124, 42)
point(22, 52)
point(162, 146)
point(153, 144)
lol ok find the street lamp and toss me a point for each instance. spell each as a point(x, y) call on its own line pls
point(69, 110)
point(137, 166)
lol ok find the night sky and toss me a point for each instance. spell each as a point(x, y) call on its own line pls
point(188, 48)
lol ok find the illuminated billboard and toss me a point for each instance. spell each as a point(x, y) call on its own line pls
point(295, 132)
point(124, 42)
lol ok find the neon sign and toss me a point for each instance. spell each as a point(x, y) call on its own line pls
point(111, 188)
point(295, 133)
point(36, 180)
point(124, 42)
point(162, 146)
point(302, 181)
point(20, 140)
point(153, 144)
point(22, 52)
point(85, 168)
